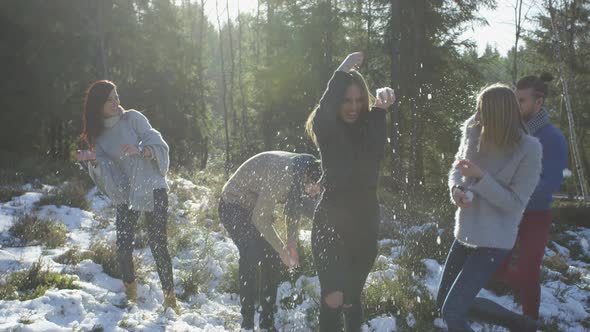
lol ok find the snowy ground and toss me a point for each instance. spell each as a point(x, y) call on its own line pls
point(97, 304)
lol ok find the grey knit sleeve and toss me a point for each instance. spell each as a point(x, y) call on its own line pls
point(151, 137)
point(455, 177)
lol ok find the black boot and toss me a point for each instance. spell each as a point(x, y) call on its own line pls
point(267, 321)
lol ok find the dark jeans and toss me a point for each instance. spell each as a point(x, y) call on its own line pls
point(254, 251)
point(344, 245)
point(156, 227)
point(466, 272)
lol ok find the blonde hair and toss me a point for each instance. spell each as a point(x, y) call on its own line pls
point(358, 80)
point(499, 117)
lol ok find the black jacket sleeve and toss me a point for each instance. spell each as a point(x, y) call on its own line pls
point(325, 120)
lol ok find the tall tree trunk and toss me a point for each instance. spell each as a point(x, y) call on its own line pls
point(518, 28)
point(257, 33)
point(369, 35)
point(232, 110)
point(416, 168)
point(407, 90)
point(556, 29)
point(270, 42)
point(267, 113)
point(328, 38)
point(103, 15)
point(204, 141)
point(583, 153)
point(571, 15)
point(52, 137)
point(223, 88)
point(395, 73)
point(63, 141)
point(245, 134)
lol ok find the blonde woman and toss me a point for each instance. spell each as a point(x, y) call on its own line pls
point(495, 172)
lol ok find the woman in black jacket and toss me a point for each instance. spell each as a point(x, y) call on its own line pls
point(350, 136)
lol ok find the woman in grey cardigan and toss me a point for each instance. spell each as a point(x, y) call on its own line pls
point(128, 161)
point(496, 170)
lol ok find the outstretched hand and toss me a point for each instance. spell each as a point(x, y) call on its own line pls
point(384, 98)
point(289, 256)
point(85, 155)
point(129, 150)
point(469, 169)
point(352, 61)
point(461, 199)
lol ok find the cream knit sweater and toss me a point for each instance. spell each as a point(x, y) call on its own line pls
point(501, 195)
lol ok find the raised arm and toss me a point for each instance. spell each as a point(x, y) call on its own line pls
point(325, 119)
point(384, 98)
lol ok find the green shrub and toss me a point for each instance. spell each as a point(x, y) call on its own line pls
point(34, 282)
point(105, 253)
point(197, 278)
point(578, 252)
point(214, 179)
point(26, 319)
point(16, 169)
point(182, 240)
point(560, 235)
point(556, 263)
point(231, 278)
point(72, 193)
point(180, 235)
point(308, 291)
point(31, 230)
point(73, 256)
point(423, 244)
point(400, 296)
point(8, 192)
point(102, 222)
point(551, 325)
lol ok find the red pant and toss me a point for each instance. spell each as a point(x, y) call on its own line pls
point(522, 272)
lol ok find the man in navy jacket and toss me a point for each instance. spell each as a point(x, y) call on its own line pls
point(523, 275)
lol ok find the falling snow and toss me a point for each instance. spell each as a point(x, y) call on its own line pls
point(96, 304)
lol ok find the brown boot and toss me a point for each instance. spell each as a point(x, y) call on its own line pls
point(170, 301)
point(131, 291)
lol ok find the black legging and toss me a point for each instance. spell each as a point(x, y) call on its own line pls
point(344, 244)
point(254, 251)
point(158, 241)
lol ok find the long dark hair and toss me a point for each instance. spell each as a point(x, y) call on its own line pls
point(94, 99)
point(367, 99)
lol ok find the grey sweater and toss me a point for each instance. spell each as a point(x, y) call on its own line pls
point(265, 180)
point(130, 179)
point(501, 195)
